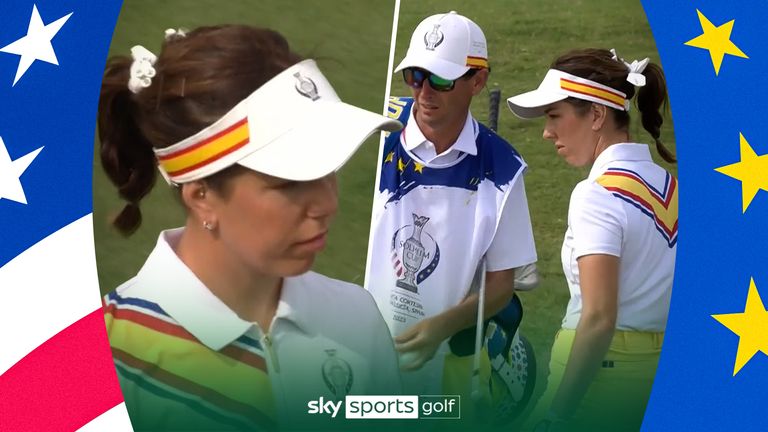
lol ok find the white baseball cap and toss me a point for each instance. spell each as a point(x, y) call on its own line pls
point(558, 85)
point(447, 45)
point(293, 127)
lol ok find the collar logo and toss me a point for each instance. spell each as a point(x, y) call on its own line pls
point(306, 87)
point(434, 38)
point(337, 374)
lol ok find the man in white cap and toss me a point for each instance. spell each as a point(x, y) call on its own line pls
point(451, 200)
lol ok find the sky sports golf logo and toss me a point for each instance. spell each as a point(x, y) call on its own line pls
point(390, 407)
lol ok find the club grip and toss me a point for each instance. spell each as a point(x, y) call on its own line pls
point(493, 109)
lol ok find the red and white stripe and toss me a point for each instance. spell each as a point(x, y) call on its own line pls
point(56, 356)
point(396, 264)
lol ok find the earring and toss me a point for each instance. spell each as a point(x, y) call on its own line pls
point(208, 225)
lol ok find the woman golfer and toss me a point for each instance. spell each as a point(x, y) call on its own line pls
point(619, 250)
point(225, 327)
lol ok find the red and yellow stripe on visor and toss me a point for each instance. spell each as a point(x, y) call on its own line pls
point(200, 154)
point(596, 92)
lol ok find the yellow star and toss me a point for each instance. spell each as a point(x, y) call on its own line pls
point(717, 40)
point(389, 157)
point(417, 167)
point(400, 165)
point(751, 326)
point(752, 171)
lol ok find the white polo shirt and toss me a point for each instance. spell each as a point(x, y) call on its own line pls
point(320, 325)
point(627, 207)
point(513, 244)
point(419, 145)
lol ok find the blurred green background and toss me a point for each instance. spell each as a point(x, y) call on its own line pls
point(524, 37)
point(351, 40)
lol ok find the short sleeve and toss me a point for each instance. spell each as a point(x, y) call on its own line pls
point(597, 220)
point(513, 245)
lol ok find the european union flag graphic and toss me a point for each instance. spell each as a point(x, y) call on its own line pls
point(713, 368)
point(56, 371)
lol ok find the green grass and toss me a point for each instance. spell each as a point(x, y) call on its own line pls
point(352, 40)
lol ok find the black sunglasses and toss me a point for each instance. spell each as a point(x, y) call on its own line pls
point(414, 77)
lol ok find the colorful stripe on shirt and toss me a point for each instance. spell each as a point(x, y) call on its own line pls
point(660, 206)
point(158, 355)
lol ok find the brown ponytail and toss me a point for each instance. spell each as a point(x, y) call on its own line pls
point(126, 155)
point(198, 78)
point(599, 65)
point(650, 99)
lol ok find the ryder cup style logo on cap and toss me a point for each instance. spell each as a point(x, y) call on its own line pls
point(306, 87)
point(433, 38)
point(337, 375)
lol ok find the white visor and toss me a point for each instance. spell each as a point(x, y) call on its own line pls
point(558, 85)
point(293, 127)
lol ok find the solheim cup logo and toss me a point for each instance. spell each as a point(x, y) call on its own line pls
point(337, 375)
point(306, 87)
point(413, 254)
point(434, 38)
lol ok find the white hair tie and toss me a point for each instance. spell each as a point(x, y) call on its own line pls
point(635, 69)
point(171, 34)
point(142, 69)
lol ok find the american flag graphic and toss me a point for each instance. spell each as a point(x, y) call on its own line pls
point(56, 369)
point(396, 263)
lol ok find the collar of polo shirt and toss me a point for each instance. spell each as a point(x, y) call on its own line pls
point(167, 281)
